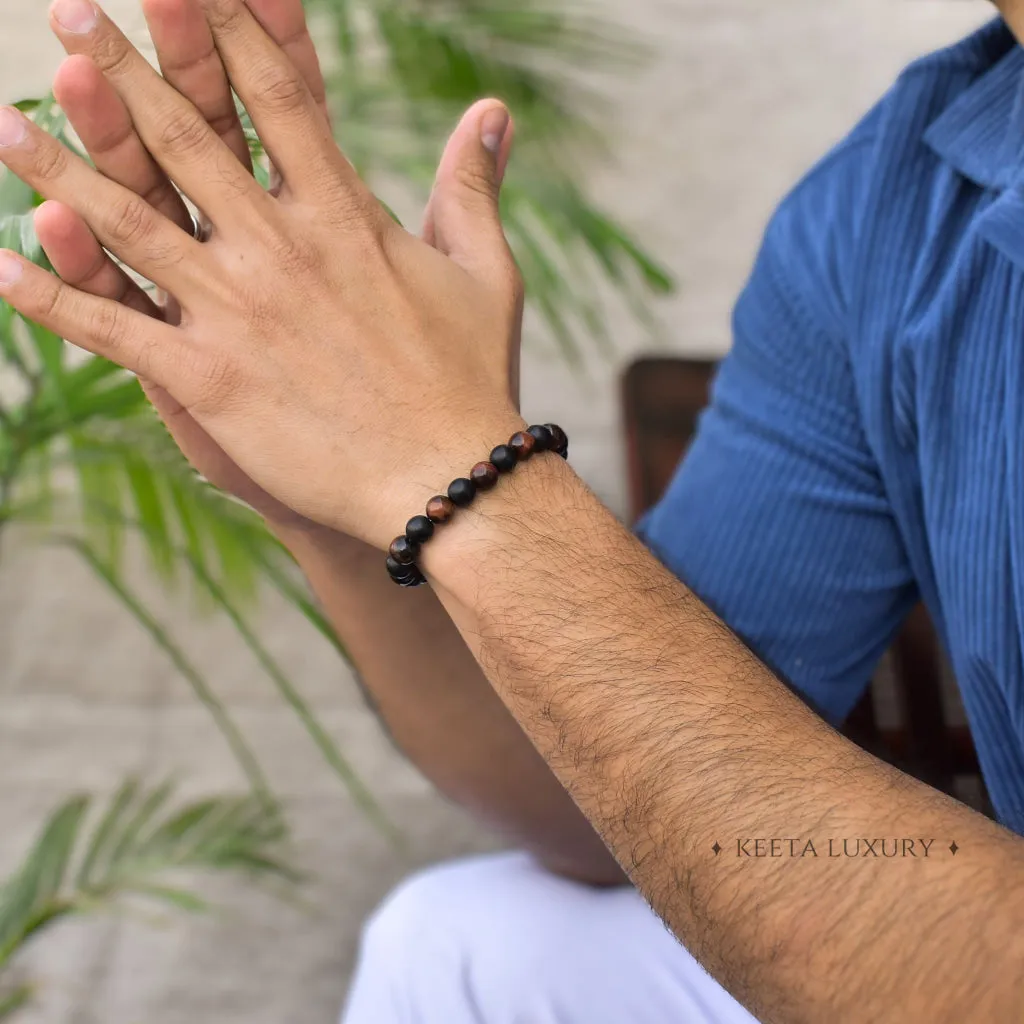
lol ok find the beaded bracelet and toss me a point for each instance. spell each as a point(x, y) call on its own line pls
point(401, 560)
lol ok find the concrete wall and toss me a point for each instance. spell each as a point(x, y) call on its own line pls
point(741, 97)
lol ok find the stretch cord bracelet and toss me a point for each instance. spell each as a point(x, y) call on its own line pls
point(401, 560)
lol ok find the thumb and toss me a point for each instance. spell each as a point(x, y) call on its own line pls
point(463, 220)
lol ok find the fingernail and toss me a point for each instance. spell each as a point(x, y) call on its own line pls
point(10, 268)
point(493, 126)
point(77, 16)
point(13, 127)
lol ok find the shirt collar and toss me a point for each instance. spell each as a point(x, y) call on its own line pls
point(981, 133)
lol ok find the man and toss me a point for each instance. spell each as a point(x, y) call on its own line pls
point(861, 450)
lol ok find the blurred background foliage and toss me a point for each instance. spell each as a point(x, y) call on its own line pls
point(85, 463)
point(401, 72)
point(140, 846)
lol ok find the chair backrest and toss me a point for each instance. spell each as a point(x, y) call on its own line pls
point(662, 400)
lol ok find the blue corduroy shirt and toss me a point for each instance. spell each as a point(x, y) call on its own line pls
point(864, 447)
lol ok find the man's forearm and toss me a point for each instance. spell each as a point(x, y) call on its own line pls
point(673, 738)
point(439, 708)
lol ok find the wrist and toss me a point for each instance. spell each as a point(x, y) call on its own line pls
point(523, 519)
point(437, 482)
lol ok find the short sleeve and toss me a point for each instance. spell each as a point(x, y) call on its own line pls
point(777, 518)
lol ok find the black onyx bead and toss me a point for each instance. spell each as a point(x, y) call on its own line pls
point(413, 581)
point(399, 571)
point(440, 509)
point(504, 458)
point(484, 475)
point(541, 436)
point(559, 442)
point(462, 491)
point(403, 550)
point(523, 444)
point(419, 529)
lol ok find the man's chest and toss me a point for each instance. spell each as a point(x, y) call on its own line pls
point(947, 423)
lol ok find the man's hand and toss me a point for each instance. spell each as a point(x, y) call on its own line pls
point(348, 368)
point(190, 61)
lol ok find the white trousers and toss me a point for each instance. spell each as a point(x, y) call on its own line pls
point(498, 940)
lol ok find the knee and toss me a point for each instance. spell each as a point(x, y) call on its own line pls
point(459, 921)
point(500, 920)
point(410, 913)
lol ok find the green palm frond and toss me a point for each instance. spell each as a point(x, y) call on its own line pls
point(14, 998)
point(32, 898)
point(135, 847)
point(141, 837)
point(128, 470)
point(406, 70)
point(203, 690)
point(224, 602)
point(134, 484)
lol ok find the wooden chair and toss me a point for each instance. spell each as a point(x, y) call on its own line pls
point(662, 398)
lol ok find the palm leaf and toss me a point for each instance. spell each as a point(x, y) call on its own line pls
point(200, 686)
point(430, 61)
point(136, 843)
point(30, 897)
point(137, 484)
point(337, 762)
point(224, 833)
point(106, 831)
point(15, 999)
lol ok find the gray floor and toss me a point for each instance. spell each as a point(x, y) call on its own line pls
point(742, 96)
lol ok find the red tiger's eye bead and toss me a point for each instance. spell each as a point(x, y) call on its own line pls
point(440, 509)
point(403, 550)
point(523, 444)
point(484, 475)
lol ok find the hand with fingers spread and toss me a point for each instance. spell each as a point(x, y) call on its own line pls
point(190, 61)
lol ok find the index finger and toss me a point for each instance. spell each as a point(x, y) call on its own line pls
point(190, 62)
point(285, 22)
point(189, 59)
point(169, 125)
point(105, 128)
